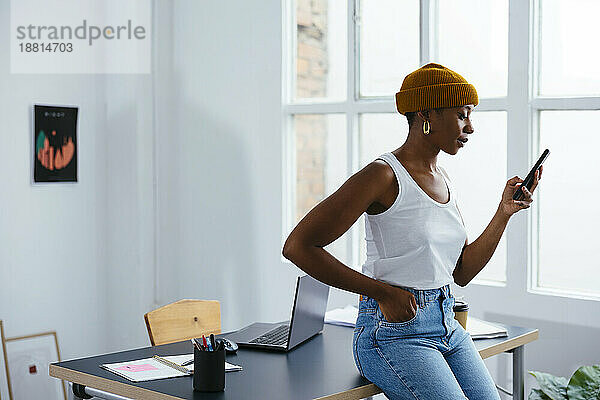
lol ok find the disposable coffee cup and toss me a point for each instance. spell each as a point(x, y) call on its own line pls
point(461, 309)
point(209, 370)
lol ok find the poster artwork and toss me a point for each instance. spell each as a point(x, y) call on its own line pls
point(55, 141)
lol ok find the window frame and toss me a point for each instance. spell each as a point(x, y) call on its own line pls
point(522, 105)
point(538, 104)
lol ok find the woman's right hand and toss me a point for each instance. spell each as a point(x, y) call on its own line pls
point(508, 206)
point(397, 305)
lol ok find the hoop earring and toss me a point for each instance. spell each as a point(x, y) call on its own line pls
point(426, 127)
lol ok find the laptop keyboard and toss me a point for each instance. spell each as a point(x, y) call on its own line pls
point(276, 336)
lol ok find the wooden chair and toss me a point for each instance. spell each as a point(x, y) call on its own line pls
point(182, 320)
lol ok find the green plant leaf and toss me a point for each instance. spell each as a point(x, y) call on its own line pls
point(537, 394)
point(585, 383)
point(555, 387)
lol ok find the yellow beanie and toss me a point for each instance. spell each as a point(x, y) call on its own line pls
point(434, 86)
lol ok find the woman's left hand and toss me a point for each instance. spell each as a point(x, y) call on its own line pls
point(509, 206)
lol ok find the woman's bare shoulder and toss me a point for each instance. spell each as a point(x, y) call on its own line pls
point(378, 172)
point(369, 184)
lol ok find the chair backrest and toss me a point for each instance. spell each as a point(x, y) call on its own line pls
point(184, 319)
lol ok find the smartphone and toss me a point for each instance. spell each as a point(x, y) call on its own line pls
point(528, 182)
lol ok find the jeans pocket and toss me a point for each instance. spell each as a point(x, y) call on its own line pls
point(385, 322)
point(357, 332)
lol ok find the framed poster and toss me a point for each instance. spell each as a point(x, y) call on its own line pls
point(55, 144)
point(28, 359)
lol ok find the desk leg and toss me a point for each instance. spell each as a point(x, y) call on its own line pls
point(70, 394)
point(518, 373)
point(81, 393)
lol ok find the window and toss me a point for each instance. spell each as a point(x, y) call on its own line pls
point(480, 189)
point(477, 46)
point(566, 103)
point(536, 81)
point(320, 166)
point(387, 52)
point(339, 99)
point(320, 51)
point(567, 260)
point(568, 57)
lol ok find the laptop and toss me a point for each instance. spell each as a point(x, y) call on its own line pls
point(308, 314)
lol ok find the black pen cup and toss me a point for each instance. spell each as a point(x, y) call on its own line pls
point(209, 370)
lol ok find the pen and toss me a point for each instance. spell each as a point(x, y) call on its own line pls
point(195, 344)
point(199, 345)
point(189, 362)
point(212, 342)
point(204, 341)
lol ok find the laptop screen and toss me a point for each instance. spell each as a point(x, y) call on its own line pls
point(309, 309)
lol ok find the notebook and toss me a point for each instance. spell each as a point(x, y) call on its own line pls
point(479, 329)
point(342, 316)
point(148, 369)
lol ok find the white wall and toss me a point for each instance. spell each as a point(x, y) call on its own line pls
point(77, 257)
point(53, 252)
point(139, 127)
point(129, 208)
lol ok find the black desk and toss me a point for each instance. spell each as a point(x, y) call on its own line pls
point(323, 367)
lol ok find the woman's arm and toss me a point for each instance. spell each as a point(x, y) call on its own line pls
point(327, 221)
point(476, 255)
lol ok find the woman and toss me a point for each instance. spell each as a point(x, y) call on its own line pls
point(406, 340)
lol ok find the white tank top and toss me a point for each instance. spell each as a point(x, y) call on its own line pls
point(417, 241)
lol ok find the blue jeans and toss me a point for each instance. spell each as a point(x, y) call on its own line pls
point(428, 357)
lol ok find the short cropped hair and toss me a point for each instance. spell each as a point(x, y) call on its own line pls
point(412, 116)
